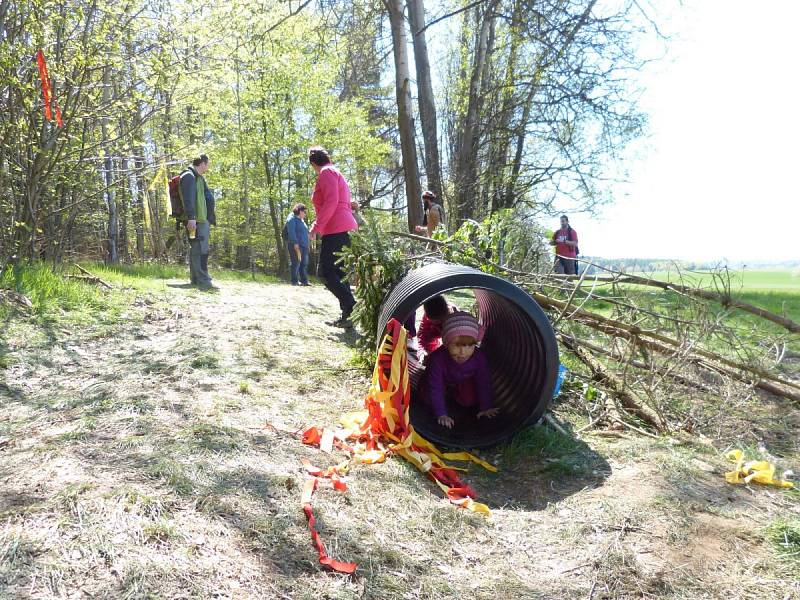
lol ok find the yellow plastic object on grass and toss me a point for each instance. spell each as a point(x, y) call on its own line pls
point(755, 471)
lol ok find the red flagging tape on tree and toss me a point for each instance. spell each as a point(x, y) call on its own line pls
point(47, 91)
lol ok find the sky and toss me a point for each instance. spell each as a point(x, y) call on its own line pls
point(718, 177)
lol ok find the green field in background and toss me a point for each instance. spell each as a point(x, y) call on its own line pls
point(740, 280)
point(776, 290)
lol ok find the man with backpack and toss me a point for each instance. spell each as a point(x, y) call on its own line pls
point(198, 211)
point(566, 242)
point(434, 214)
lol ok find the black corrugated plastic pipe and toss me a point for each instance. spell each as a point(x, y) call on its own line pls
point(519, 343)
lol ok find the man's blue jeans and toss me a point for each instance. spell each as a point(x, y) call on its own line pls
point(299, 266)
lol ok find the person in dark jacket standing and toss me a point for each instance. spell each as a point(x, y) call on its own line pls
point(198, 206)
point(334, 223)
point(297, 242)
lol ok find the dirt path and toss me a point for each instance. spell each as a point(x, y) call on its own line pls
point(135, 463)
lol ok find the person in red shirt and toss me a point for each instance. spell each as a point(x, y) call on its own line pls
point(566, 242)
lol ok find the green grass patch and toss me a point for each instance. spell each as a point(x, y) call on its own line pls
point(141, 273)
point(50, 293)
point(206, 361)
point(57, 298)
point(784, 535)
point(173, 474)
point(542, 442)
point(776, 290)
point(136, 501)
point(160, 532)
point(69, 497)
point(216, 438)
point(737, 279)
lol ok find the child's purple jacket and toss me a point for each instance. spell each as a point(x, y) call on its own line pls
point(443, 372)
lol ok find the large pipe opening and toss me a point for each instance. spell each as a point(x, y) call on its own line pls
point(519, 343)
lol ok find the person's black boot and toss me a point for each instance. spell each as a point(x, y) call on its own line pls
point(343, 322)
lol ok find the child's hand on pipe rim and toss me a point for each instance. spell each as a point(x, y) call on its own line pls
point(489, 414)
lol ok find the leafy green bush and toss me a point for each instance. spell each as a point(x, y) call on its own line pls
point(378, 262)
point(501, 241)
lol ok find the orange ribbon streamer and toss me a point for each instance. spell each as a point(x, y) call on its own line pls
point(324, 559)
point(383, 429)
point(47, 90)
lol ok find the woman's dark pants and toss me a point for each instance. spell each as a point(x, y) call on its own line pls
point(332, 273)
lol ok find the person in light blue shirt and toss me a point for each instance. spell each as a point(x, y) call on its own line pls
point(295, 234)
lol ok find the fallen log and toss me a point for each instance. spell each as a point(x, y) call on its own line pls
point(87, 276)
point(614, 327)
point(87, 279)
point(660, 369)
point(725, 299)
point(767, 386)
point(630, 402)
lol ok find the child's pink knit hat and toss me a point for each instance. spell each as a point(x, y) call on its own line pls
point(460, 323)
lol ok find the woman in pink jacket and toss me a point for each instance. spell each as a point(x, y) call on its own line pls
point(335, 220)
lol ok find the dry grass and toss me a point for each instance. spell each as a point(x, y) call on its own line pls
point(138, 465)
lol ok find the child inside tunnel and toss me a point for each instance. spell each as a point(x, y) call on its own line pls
point(457, 379)
point(519, 346)
point(435, 311)
point(427, 337)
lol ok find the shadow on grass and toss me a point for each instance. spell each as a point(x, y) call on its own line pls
point(194, 465)
point(538, 467)
point(347, 336)
point(250, 500)
point(12, 393)
point(12, 502)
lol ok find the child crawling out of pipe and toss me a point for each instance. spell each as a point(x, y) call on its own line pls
point(435, 311)
point(458, 371)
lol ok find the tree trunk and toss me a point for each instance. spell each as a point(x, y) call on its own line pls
point(405, 119)
point(467, 152)
point(516, 167)
point(502, 125)
point(112, 253)
point(275, 218)
point(427, 106)
point(244, 247)
point(140, 204)
point(125, 204)
point(547, 58)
